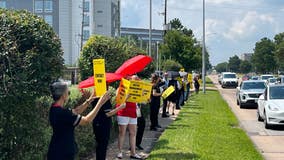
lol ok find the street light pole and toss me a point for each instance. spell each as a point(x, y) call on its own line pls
point(203, 51)
point(150, 30)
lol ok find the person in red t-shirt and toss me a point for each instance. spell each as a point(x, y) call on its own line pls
point(127, 118)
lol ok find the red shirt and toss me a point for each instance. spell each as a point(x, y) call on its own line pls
point(128, 111)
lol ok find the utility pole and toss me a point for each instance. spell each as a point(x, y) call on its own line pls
point(165, 18)
point(157, 58)
point(150, 30)
point(203, 50)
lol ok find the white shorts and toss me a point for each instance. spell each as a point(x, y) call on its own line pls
point(121, 120)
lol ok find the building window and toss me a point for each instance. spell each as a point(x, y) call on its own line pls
point(86, 20)
point(2, 4)
point(99, 11)
point(48, 19)
point(100, 25)
point(86, 35)
point(38, 6)
point(86, 6)
point(47, 6)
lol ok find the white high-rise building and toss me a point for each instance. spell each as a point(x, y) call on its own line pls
point(100, 17)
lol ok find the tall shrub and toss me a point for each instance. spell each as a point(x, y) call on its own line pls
point(30, 58)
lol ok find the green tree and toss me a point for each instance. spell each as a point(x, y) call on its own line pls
point(279, 51)
point(221, 67)
point(245, 67)
point(30, 59)
point(114, 51)
point(234, 63)
point(263, 59)
point(181, 46)
point(171, 65)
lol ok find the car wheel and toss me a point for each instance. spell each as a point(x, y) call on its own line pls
point(258, 117)
point(222, 86)
point(266, 125)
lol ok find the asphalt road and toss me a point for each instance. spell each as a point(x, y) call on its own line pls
point(270, 142)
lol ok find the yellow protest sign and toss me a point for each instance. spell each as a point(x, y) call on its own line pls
point(146, 92)
point(99, 76)
point(191, 85)
point(200, 82)
point(122, 91)
point(135, 91)
point(168, 92)
point(139, 91)
point(189, 77)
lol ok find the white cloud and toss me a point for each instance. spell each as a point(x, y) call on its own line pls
point(248, 25)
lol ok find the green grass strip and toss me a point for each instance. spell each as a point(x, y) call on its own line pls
point(205, 129)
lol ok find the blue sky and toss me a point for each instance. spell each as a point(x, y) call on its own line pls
point(232, 26)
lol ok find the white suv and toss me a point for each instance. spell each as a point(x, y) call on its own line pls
point(229, 79)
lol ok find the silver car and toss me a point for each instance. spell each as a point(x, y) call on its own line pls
point(249, 92)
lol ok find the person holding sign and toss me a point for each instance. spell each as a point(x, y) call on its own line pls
point(63, 121)
point(155, 102)
point(102, 126)
point(127, 118)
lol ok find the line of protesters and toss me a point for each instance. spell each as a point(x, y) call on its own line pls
point(63, 120)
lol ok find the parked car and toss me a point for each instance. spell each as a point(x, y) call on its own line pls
point(266, 76)
point(249, 92)
point(255, 78)
point(271, 106)
point(229, 79)
point(271, 81)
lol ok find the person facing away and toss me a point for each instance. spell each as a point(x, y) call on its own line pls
point(64, 120)
point(196, 84)
point(102, 126)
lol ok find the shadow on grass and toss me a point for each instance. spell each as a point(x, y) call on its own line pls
point(162, 144)
point(174, 156)
point(177, 126)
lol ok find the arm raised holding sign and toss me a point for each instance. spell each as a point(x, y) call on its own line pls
point(120, 107)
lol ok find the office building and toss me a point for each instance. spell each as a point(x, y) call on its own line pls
point(74, 20)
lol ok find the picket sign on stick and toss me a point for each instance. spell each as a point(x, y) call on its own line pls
point(122, 91)
point(168, 92)
point(99, 76)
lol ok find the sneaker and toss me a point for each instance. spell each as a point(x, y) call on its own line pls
point(119, 155)
point(136, 156)
point(139, 147)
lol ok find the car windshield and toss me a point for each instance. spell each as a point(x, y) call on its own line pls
point(272, 80)
point(253, 85)
point(229, 76)
point(276, 92)
point(254, 78)
point(266, 77)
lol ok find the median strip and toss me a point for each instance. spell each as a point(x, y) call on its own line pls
point(205, 129)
